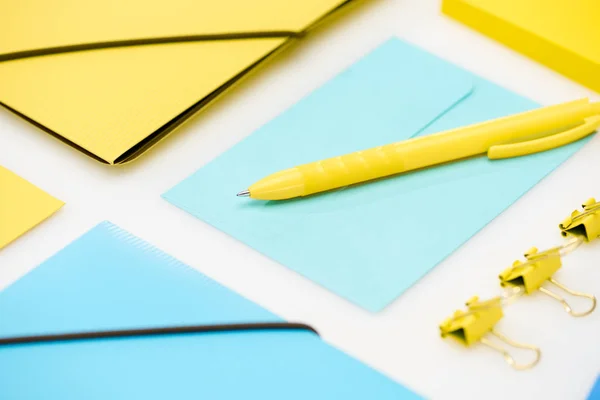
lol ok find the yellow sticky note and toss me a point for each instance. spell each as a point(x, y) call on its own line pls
point(22, 206)
point(112, 78)
point(562, 34)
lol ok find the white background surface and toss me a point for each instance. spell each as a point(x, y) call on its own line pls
point(403, 340)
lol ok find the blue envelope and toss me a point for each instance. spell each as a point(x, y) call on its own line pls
point(107, 280)
point(369, 243)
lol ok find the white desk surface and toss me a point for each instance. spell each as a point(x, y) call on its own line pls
point(403, 340)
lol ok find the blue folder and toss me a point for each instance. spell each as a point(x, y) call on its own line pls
point(107, 280)
point(369, 243)
point(595, 393)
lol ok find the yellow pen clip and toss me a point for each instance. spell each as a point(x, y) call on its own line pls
point(546, 143)
point(585, 224)
point(539, 268)
point(472, 326)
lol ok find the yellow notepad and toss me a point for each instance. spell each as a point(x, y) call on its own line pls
point(562, 34)
point(111, 78)
point(22, 206)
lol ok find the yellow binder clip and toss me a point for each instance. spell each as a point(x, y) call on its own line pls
point(585, 224)
point(539, 268)
point(473, 325)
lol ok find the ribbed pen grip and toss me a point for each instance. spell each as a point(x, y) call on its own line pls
point(351, 168)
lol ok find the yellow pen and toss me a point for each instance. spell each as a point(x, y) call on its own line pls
point(512, 136)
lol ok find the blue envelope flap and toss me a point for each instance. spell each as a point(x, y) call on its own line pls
point(109, 279)
point(380, 99)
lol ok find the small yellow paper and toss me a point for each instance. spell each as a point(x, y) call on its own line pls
point(22, 206)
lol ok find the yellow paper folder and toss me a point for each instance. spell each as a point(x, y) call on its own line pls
point(562, 34)
point(113, 77)
point(22, 206)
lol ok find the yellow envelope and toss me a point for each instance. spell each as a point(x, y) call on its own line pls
point(22, 206)
point(112, 78)
point(562, 34)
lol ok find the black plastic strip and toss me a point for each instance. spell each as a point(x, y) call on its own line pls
point(159, 331)
point(143, 42)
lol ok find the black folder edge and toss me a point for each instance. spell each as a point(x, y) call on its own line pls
point(155, 331)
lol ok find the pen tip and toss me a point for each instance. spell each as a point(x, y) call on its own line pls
point(244, 193)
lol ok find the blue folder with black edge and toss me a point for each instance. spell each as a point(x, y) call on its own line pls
point(111, 280)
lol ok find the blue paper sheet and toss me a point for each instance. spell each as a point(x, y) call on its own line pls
point(369, 243)
point(109, 279)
